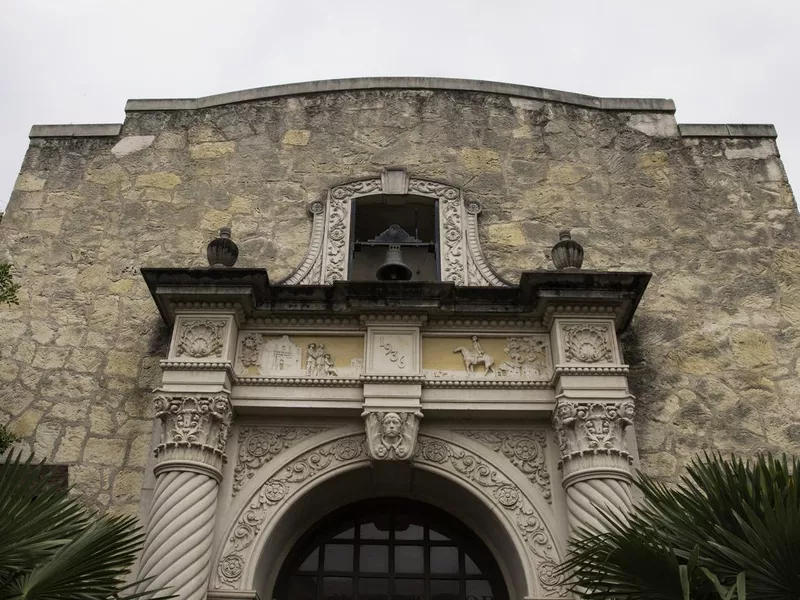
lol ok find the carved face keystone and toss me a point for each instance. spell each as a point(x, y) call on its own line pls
point(391, 425)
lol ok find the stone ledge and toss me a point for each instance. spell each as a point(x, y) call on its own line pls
point(404, 83)
point(90, 130)
point(735, 131)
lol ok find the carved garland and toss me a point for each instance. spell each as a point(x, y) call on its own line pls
point(444, 455)
point(462, 260)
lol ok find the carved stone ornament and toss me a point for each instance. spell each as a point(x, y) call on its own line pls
point(201, 339)
point(592, 427)
point(525, 449)
point(527, 358)
point(391, 435)
point(319, 362)
point(259, 445)
point(462, 260)
point(193, 422)
point(456, 461)
point(587, 343)
point(476, 356)
point(250, 350)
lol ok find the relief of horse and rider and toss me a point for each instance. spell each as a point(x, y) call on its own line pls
point(527, 358)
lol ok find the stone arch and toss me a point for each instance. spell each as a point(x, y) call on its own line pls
point(306, 484)
point(461, 258)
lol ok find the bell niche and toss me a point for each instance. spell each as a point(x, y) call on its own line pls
point(394, 238)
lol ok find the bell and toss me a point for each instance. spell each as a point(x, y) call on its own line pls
point(393, 269)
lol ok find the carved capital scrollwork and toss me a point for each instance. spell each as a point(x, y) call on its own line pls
point(391, 435)
point(592, 427)
point(193, 427)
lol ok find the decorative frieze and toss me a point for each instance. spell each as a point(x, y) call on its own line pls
point(292, 357)
point(258, 445)
point(391, 435)
point(475, 356)
point(525, 449)
point(201, 338)
point(587, 343)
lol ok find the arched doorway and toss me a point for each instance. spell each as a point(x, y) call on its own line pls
point(390, 548)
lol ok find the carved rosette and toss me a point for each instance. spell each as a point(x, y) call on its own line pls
point(259, 445)
point(594, 459)
point(193, 428)
point(201, 338)
point(586, 343)
point(391, 436)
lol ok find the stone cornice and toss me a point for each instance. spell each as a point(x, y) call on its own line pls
point(539, 295)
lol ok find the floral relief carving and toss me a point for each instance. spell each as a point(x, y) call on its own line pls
point(525, 449)
point(338, 226)
point(391, 435)
point(592, 427)
point(250, 350)
point(587, 343)
point(527, 358)
point(196, 421)
point(202, 338)
point(259, 445)
point(274, 491)
point(451, 235)
point(527, 519)
point(308, 272)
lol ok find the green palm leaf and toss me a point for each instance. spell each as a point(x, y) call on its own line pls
point(724, 517)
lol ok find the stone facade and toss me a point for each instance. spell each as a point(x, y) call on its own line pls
point(713, 347)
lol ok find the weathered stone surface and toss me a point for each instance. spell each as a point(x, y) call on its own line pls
point(713, 348)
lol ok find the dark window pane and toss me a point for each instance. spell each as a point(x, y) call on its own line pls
point(444, 559)
point(374, 559)
point(438, 537)
point(409, 559)
point(338, 557)
point(409, 589)
point(337, 588)
point(370, 588)
point(444, 589)
point(311, 563)
point(478, 589)
point(370, 530)
point(347, 534)
point(470, 568)
point(408, 531)
point(303, 588)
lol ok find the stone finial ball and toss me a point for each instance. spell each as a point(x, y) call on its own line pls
point(567, 253)
point(222, 251)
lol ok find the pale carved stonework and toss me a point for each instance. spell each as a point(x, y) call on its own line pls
point(475, 356)
point(527, 358)
point(193, 421)
point(259, 445)
point(525, 449)
point(319, 362)
point(391, 435)
point(462, 259)
point(201, 339)
point(586, 343)
point(250, 350)
point(506, 495)
point(592, 427)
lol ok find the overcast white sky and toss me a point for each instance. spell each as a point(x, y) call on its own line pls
point(77, 61)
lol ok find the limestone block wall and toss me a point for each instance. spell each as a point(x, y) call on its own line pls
point(713, 348)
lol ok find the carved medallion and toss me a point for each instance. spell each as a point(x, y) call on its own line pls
point(391, 435)
point(587, 343)
point(202, 338)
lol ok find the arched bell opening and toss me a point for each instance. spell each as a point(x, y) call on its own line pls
point(344, 488)
point(390, 548)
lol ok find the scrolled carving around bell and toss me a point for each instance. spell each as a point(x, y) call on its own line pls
point(567, 253)
point(222, 251)
point(391, 436)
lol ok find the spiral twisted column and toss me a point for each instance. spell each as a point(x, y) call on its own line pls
point(594, 460)
point(177, 548)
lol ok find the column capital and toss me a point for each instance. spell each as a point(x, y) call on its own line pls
point(194, 432)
